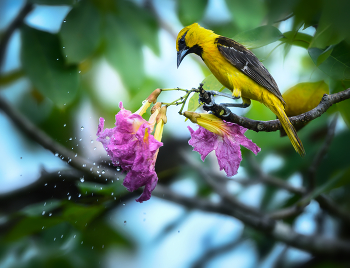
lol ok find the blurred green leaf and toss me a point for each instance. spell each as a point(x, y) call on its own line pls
point(52, 2)
point(80, 215)
point(81, 32)
point(246, 14)
point(258, 37)
point(142, 23)
point(344, 106)
point(40, 209)
point(210, 83)
point(337, 65)
point(101, 235)
point(304, 96)
point(191, 11)
point(325, 54)
point(31, 225)
point(44, 64)
point(297, 39)
point(123, 52)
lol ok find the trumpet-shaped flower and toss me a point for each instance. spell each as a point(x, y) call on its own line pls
point(131, 146)
point(223, 137)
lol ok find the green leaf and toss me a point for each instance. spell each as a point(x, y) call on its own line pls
point(44, 64)
point(247, 14)
point(101, 235)
point(123, 52)
point(52, 2)
point(303, 97)
point(258, 37)
point(80, 215)
point(210, 83)
point(142, 23)
point(81, 32)
point(337, 65)
point(31, 225)
point(191, 11)
point(325, 54)
point(297, 39)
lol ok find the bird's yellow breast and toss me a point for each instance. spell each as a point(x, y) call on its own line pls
point(230, 76)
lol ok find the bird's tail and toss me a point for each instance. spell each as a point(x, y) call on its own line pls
point(278, 109)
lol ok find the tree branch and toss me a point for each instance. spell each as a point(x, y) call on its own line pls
point(47, 142)
point(13, 26)
point(273, 125)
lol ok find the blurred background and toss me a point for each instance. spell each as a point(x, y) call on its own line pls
point(65, 63)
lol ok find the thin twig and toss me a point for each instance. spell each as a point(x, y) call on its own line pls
point(219, 189)
point(321, 154)
point(47, 142)
point(13, 26)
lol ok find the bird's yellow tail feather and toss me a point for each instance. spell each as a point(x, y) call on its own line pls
point(278, 110)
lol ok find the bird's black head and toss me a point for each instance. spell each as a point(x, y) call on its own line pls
point(183, 48)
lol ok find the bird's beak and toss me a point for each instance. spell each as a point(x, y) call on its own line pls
point(181, 54)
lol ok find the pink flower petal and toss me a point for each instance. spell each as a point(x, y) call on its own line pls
point(227, 148)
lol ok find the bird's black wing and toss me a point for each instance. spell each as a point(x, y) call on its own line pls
point(245, 61)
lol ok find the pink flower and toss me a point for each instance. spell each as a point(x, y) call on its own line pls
point(223, 137)
point(131, 146)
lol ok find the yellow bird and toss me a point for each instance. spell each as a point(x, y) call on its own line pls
point(239, 70)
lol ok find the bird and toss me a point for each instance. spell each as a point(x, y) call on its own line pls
point(239, 70)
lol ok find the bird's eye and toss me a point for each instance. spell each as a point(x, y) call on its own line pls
point(182, 41)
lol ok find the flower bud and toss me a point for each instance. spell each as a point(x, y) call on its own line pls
point(154, 95)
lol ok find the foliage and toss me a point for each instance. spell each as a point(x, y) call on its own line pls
point(75, 229)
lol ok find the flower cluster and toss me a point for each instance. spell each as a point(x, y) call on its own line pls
point(131, 146)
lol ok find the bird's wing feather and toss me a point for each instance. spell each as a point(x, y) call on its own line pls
point(245, 61)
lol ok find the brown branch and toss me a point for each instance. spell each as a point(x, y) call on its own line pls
point(47, 142)
point(321, 153)
point(13, 26)
point(224, 113)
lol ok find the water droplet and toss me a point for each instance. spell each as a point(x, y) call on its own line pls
point(82, 179)
point(61, 236)
point(54, 239)
point(118, 169)
point(43, 213)
point(84, 165)
point(75, 155)
point(82, 128)
point(64, 47)
point(123, 204)
point(79, 195)
point(178, 231)
point(57, 59)
point(92, 247)
point(64, 125)
point(20, 157)
point(79, 71)
point(103, 172)
point(44, 204)
point(117, 179)
point(103, 246)
point(82, 242)
point(69, 197)
point(75, 236)
point(56, 154)
point(70, 138)
point(64, 20)
point(64, 104)
point(92, 141)
point(45, 184)
point(94, 148)
point(50, 214)
point(124, 222)
point(112, 193)
point(54, 186)
point(66, 57)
